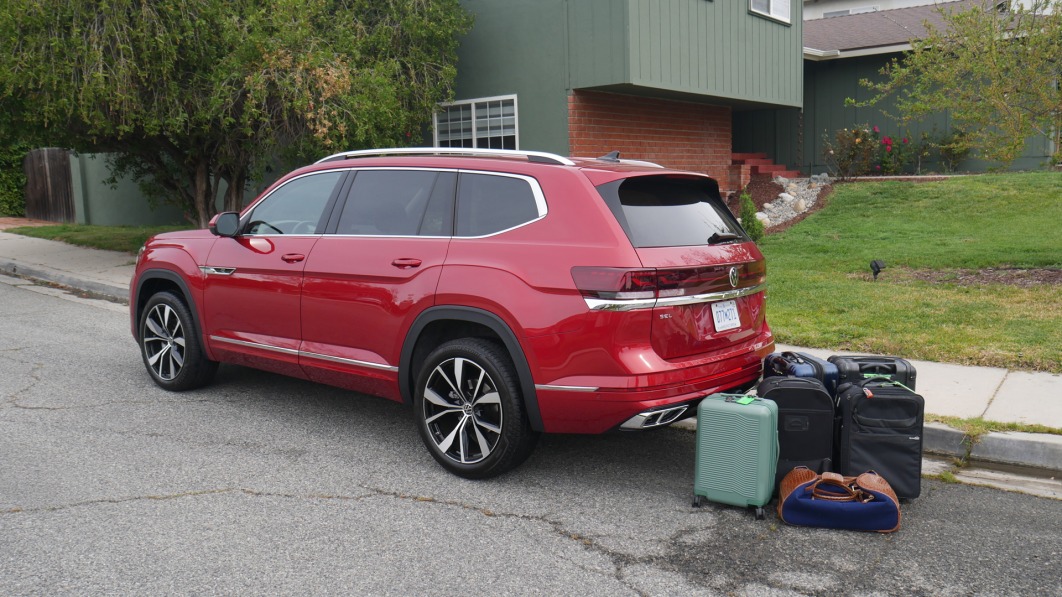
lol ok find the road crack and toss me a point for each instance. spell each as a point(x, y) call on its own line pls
point(184, 494)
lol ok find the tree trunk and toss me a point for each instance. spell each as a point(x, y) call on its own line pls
point(234, 194)
point(203, 199)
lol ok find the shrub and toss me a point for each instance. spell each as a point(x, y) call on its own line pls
point(13, 179)
point(752, 225)
point(851, 152)
point(954, 148)
point(895, 155)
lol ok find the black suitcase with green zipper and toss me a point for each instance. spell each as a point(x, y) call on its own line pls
point(881, 430)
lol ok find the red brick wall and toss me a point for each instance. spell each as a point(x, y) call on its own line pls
point(680, 135)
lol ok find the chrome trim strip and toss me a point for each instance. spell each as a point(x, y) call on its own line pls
point(211, 270)
point(671, 301)
point(324, 357)
point(290, 351)
point(566, 388)
point(300, 353)
point(712, 297)
point(619, 305)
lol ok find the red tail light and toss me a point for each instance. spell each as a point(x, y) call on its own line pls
point(613, 283)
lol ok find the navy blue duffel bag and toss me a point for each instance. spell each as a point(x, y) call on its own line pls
point(829, 500)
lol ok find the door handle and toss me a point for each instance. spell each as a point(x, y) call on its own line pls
point(406, 263)
point(293, 257)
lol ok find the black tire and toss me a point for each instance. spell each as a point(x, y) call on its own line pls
point(171, 346)
point(469, 409)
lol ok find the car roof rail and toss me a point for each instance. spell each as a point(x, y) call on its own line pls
point(531, 156)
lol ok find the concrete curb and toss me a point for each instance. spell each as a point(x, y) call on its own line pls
point(1036, 450)
point(45, 274)
point(1030, 450)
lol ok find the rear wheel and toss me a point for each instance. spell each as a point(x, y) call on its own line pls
point(469, 409)
point(170, 344)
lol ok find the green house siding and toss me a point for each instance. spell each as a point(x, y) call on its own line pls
point(797, 139)
point(717, 49)
point(706, 51)
point(520, 47)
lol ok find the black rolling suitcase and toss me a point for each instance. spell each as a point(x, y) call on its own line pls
point(851, 369)
point(802, 364)
point(805, 423)
point(881, 431)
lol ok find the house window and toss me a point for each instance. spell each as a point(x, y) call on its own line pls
point(487, 123)
point(776, 9)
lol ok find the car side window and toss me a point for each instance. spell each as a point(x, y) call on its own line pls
point(399, 203)
point(294, 208)
point(488, 203)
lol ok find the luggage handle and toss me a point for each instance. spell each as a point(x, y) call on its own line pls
point(877, 368)
point(795, 355)
point(833, 487)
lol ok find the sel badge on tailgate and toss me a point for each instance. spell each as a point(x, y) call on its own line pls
point(725, 315)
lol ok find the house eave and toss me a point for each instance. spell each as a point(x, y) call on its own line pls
point(816, 55)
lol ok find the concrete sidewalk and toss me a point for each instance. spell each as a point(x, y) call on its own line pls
point(949, 390)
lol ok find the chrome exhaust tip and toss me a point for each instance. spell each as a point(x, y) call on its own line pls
point(654, 418)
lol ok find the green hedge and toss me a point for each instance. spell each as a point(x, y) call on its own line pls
point(13, 179)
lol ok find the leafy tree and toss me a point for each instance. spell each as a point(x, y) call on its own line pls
point(995, 70)
point(192, 92)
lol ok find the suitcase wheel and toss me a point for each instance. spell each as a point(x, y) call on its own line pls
point(696, 501)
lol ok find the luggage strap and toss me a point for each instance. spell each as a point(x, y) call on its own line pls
point(885, 378)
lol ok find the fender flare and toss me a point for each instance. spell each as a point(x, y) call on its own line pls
point(169, 276)
point(485, 319)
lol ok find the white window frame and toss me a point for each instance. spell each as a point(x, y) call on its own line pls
point(473, 102)
point(779, 10)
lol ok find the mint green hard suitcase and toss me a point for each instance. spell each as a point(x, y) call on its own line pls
point(737, 451)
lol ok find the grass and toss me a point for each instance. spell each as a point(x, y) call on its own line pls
point(127, 239)
point(821, 293)
point(977, 427)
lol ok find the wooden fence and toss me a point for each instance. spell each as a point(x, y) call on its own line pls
point(49, 189)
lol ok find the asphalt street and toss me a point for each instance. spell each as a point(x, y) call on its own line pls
point(261, 484)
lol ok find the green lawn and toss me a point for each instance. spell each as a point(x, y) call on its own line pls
point(821, 293)
point(127, 239)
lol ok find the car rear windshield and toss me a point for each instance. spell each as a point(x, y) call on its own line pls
point(670, 211)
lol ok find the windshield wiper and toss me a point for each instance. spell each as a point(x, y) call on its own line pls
point(723, 237)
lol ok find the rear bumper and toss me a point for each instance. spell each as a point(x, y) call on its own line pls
point(586, 408)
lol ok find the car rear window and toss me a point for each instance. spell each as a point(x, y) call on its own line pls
point(669, 211)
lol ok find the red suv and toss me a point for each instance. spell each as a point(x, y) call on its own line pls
point(500, 293)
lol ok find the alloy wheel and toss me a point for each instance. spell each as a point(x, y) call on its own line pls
point(462, 410)
point(164, 342)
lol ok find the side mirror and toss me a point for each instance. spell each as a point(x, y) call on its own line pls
point(225, 224)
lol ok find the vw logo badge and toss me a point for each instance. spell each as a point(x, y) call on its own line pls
point(733, 277)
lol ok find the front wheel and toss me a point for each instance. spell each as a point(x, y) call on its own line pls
point(469, 409)
point(170, 345)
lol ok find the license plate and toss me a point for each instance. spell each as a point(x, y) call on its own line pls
point(725, 315)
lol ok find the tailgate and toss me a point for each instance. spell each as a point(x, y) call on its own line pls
point(713, 302)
